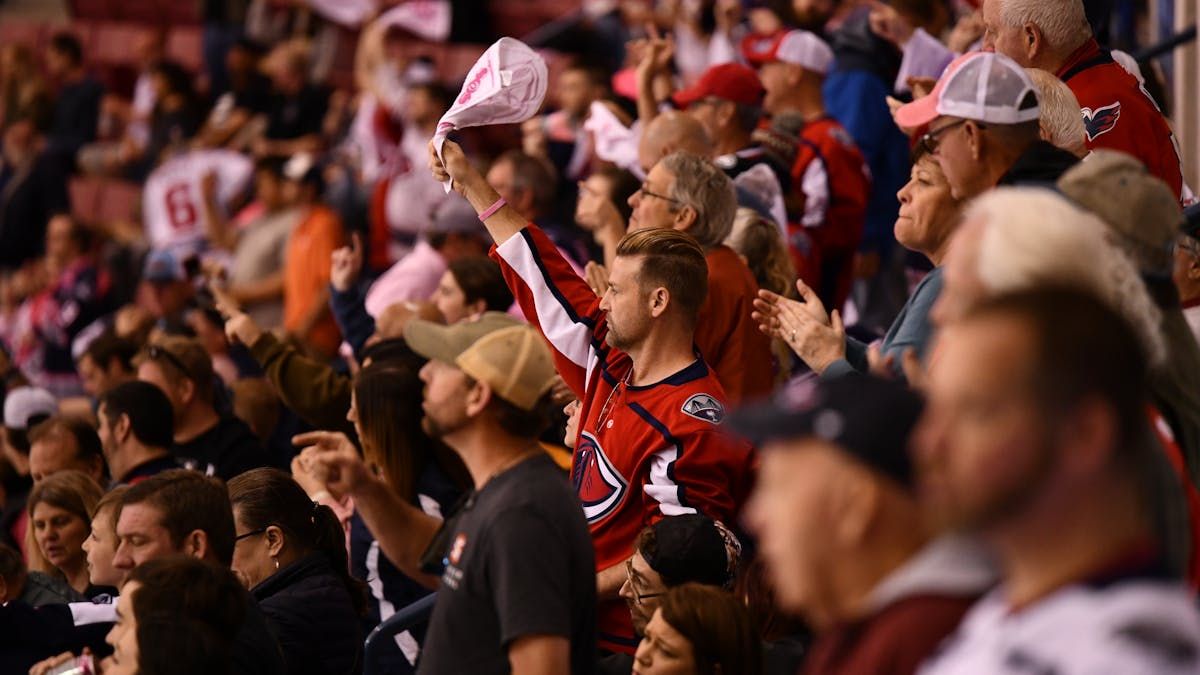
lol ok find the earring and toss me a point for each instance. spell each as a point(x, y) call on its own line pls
point(276, 563)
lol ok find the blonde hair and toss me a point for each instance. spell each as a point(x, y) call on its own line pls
point(1034, 237)
point(1061, 119)
point(1062, 22)
point(72, 491)
point(760, 242)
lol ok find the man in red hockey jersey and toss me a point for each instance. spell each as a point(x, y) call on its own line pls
point(650, 443)
point(1118, 113)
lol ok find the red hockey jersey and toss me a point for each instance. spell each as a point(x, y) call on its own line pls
point(643, 452)
point(1119, 114)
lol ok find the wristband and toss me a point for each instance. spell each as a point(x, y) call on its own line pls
point(491, 210)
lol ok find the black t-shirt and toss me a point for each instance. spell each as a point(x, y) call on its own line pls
point(519, 563)
point(292, 117)
point(227, 449)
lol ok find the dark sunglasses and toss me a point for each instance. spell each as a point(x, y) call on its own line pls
point(929, 142)
point(157, 353)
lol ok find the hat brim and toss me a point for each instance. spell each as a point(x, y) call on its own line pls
point(684, 98)
point(432, 341)
point(918, 113)
point(768, 421)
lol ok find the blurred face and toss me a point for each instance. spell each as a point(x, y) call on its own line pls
point(927, 211)
point(269, 190)
point(59, 534)
point(961, 285)
point(813, 14)
point(123, 636)
point(575, 93)
point(96, 380)
point(571, 410)
point(444, 401)
point(53, 453)
point(56, 64)
point(626, 304)
point(790, 514)
point(663, 650)
point(450, 300)
point(778, 82)
point(100, 548)
point(592, 193)
point(141, 537)
point(59, 246)
point(109, 444)
point(641, 591)
point(710, 113)
point(982, 449)
point(168, 299)
point(652, 205)
point(1002, 38)
point(252, 562)
point(500, 177)
point(150, 371)
point(1186, 271)
point(423, 109)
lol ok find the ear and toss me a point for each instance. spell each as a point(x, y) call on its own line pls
point(187, 390)
point(1193, 270)
point(478, 398)
point(478, 307)
point(275, 540)
point(858, 499)
point(726, 113)
point(1032, 40)
point(1089, 436)
point(195, 544)
point(657, 301)
point(122, 429)
point(685, 217)
point(974, 139)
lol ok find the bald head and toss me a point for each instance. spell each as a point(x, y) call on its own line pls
point(673, 131)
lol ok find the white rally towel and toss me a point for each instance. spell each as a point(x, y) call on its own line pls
point(349, 13)
point(614, 142)
point(426, 19)
point(505, 86)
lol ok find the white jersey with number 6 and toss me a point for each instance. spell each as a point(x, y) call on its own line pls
point(173, 197)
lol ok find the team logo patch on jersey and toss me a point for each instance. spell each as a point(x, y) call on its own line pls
point(600, 487)
point(456, 549)
point(704, 407)
point(1101, 120)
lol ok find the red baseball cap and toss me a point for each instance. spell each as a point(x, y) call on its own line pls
point(727, 81)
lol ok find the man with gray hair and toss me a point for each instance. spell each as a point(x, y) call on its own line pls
point(687, 193)
point(1117, 112)
point(1060, 123)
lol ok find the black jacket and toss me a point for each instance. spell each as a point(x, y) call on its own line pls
point(312, 614)
point(1040, 164)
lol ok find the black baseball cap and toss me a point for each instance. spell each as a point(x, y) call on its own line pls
point(1191, 223)
point(867, 417)
point(692, 548)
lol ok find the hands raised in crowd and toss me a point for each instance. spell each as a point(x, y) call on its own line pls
point(346, 264)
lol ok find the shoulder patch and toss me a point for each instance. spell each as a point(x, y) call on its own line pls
point(1101, 120)
point(704, 407)
point(1164, 642)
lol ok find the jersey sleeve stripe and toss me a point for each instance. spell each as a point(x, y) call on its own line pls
point(815, 185)
point(662, 486)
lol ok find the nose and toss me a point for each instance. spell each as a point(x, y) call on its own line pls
point(626, 590)
point(122, 560)
point(634, 198)
point(642, 655)
point(424, 373)
point(903, 194)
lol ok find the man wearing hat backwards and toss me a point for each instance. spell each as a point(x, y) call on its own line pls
point(841, 531)
point(518, 589)
point(982, 126)
point(831, 183)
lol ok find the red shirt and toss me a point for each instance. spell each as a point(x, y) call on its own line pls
point(643, 452)
point(1191, 496)
point(1119, 114)
point(830, 188)
point(727, 336)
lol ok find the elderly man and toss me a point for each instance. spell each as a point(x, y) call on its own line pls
point(1117, 111)
point(982, 121)
point(1035, 437)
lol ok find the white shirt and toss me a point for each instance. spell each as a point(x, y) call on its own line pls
point(173, 199)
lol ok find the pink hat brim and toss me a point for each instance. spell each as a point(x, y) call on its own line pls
point(918, 113)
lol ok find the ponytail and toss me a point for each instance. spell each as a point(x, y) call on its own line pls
point(329, 538)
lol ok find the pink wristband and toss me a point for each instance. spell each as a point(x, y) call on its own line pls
point(491, 210)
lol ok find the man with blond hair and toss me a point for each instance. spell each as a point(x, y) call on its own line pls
point(1117, 111)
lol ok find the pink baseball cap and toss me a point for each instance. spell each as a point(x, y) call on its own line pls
point(980, 86)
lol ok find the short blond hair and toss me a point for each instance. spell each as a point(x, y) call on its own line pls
point(673, 260)
point(1061, 119)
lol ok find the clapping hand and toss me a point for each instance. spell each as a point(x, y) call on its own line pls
point(816, 336)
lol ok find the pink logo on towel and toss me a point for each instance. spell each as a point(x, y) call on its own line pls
point(473, 85)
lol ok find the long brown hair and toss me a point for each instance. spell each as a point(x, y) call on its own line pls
point(72, 491)
point(265, 497)
point(388, 398)
point(723, 639)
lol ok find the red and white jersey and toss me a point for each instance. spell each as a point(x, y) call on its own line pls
point(1142, 626)
point(173, 199)
point(643, 452)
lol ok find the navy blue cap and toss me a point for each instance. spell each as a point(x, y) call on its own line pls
point(867, 417)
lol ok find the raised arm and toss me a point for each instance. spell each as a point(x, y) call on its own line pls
point(468, 182)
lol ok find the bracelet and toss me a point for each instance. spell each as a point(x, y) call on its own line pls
point(491, 210)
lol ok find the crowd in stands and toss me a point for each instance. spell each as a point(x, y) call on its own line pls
point(786, 336)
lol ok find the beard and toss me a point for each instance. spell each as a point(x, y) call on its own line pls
point(441, 428)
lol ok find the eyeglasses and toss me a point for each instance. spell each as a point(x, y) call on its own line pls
point(155, 352)
point(929, 141)
point(638, 596)
point(249, 534)
point(646, 191)
point(1187, 243)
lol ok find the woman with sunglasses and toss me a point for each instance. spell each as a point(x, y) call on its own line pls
point(929, 216)
point(290, 553)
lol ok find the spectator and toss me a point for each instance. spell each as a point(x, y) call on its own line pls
point(131, 119)
point(246, 98)
point(183, 512)
point(215, 443)
point(101, 544)
point(136, 431)
point(34, 189)
point(454, 233)
point(1060, 123)
point(107, 362)
point(559, 137)
point(65, 443)
point(529, 185)
point(698, 629)
point(881, 595)
point(296, 110)
point(1117, 112)
point(59, 509)
point(759, 242)
point(24, 409)
point(471, 286)
point(256, 403)
point(1187, 270)
point(669, 132)
point(291, 555)
point(687, 193)
point(1057, 530)
point(176, 117)
point(258, 245)
point(18, 584)
point(985, 137)
point(629, 358)
point(307, 259)
point(169, 292)
point(929, 216)
point(1146, 222)
point(77, 107)
point(521, 536)
point(603, 206)
point(829, 177)
point(23, 93)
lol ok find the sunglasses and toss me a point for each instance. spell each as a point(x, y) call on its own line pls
point(157, 353)
point(929, 142)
